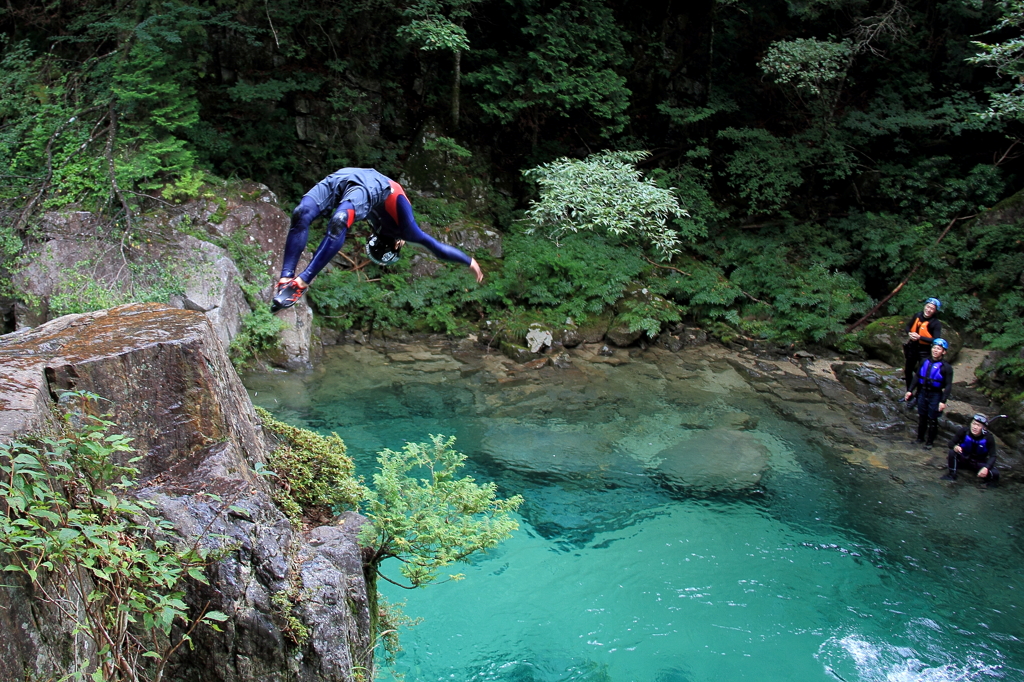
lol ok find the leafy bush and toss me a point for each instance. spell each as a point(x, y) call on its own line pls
point(431, 521)
point(259, 334)
point(580, 274)
point(79, 291)
point(315, 476)
point(94, 552)
point(807, 64)
point(397, 300)
point(605, 193)
point(764, 169)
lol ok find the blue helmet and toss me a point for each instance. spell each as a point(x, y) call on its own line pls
point(941, 342)
point(935, 302)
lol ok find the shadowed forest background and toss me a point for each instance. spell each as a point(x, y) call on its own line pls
point(821, 151)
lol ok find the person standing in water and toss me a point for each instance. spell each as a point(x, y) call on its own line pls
point(349, 195)
point(932, 383)
point(921, 330)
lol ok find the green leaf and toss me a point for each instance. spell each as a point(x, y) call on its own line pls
point(197, 574)
point(215, 616)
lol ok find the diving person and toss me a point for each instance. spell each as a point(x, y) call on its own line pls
point(973, 448)
point(921, 330)
point(349, 195)
point(931, 384)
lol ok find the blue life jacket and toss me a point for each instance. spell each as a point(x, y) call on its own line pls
point(931, 374)
point(975, 448)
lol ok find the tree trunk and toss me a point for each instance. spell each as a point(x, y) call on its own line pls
point(456, 84)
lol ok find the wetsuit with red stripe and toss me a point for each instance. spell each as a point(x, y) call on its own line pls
point(349, 195)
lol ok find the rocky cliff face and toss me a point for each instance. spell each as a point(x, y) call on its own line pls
point(172, 389)
point(182, 248)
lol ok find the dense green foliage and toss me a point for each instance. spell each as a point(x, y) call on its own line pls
point(422, 514)
point(315, 475)
point(94, 552)
point(419, 511)
point(819, 148)
point(605, 192)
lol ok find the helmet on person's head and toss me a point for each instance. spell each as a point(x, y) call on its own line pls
point(381, 250)
point(941, 342)
point(981, 419)
point(935, 302)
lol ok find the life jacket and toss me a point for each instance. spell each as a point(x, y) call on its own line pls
point(975, 448)
point(930, 375)
point(920, 326)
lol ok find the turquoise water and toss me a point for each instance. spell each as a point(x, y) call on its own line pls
point(800, 566)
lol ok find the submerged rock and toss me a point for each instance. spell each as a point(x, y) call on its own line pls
point(714, 459)
point(528, 447)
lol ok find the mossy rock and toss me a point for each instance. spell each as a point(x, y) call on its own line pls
point(619, 333)
point(515, 351)
point(883, 340)
point(594, 327)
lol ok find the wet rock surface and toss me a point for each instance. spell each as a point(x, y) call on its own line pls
point(172, 389)
point(852, 409)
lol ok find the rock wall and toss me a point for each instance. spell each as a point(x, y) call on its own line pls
point(179, 241)
point(172, 389)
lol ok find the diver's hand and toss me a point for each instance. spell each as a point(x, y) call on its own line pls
point(477, 272)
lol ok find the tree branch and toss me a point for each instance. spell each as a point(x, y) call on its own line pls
point(30, 206)
point(667, 267)
point(904, 282)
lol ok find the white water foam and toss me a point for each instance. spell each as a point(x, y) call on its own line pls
point(883, 662)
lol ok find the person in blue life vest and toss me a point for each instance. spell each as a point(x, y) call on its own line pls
point(931, 384)
point(922, 329)
point(973, 448)
point(349, 195)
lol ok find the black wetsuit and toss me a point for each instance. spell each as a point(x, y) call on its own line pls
point(932, 383)
point(976, 453)
point(915, 351)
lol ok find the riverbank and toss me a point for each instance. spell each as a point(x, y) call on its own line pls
point(853, 409)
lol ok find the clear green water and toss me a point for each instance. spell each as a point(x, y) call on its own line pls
point(813, 569)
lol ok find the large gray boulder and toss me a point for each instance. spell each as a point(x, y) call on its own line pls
point(172, 389)
point(75, 259)
point(211, 286)
point(883, 340)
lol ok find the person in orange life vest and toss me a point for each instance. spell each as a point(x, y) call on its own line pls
point(921, 330)
point(973, 448)
point(932, 383)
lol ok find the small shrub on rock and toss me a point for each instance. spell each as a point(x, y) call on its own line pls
point(315, 476)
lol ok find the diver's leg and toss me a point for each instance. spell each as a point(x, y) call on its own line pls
point(411, 232)
point(298, 234)
point(337, 230)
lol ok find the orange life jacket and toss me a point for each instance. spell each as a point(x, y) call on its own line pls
point(921, 327)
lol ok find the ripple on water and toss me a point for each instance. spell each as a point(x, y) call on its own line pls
point(638, 562)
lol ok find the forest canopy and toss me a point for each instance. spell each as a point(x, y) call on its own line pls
point(817, 149)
